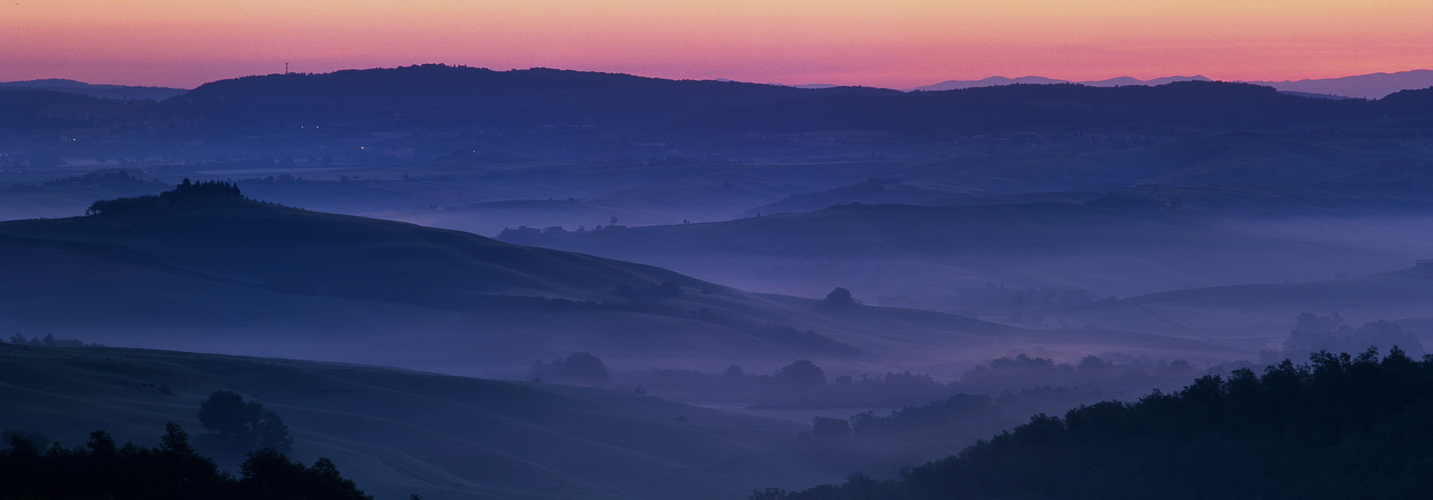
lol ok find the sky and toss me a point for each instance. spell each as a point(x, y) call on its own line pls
point(887, 43)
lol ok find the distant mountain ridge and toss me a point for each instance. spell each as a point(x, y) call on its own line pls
point(121, 92)
point(1040, 80)
point(1370, 86)
point(438, 94)
point(535, 112)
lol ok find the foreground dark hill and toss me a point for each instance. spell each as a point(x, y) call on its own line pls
point(225, 274)
point(399, 432)
point(1339, 427)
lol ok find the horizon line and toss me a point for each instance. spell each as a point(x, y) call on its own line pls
point(1054, 80)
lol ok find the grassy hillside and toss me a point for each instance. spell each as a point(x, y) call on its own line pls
point(398, 432)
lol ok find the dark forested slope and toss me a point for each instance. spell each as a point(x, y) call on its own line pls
point(1339, 427)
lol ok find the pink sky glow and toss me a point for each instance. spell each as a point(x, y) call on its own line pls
point(892, 43)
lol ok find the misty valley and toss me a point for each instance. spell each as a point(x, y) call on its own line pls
point(453, 283)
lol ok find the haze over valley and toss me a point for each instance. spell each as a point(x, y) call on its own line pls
point(456, 282)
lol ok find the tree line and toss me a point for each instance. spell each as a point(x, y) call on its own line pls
point(172, 470)
point(184, 191)
point(1339, 426)
point(49, 340)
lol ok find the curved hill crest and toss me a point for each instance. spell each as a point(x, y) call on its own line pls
point(225, 274)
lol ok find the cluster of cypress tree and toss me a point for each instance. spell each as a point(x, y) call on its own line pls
point(173, 470)
point(1337, 427)
point(184, 191)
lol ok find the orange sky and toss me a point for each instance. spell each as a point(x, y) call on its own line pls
point(890, 43)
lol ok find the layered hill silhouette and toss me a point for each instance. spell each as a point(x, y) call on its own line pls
point(1190, 105)
point(226, 274)
point(1206, 173)
point(1261, 314)
point(1237, 282)
point(121, 92)
point(398, 432)
point(1370, 86)
point(1110, 246)
point(434, 96)
point(583, 109)
point(1040, 80)
point(1337, 427)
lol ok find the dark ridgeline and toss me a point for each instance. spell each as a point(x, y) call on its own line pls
point(439, 96)
point(1338, 427)
point(121, 92)
point(410, 103)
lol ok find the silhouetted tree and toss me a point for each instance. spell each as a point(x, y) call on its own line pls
point(840, 297)
point(269, 474)
point(802, 373)
point(103, 470)
point(578, 367)
point(1313, 333)
point(36, 438)
point(734, 373)
point(826, 427)
point(225, 413)
point(270, 432)
point(248, 425)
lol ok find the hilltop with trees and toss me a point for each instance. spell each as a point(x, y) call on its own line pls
point(1339, 426)
point(185, 192)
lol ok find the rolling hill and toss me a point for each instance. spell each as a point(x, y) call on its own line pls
point(242, 277)
point(1261, 315)
point(1257, 166)
point(874, 250)
point(398, 432)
